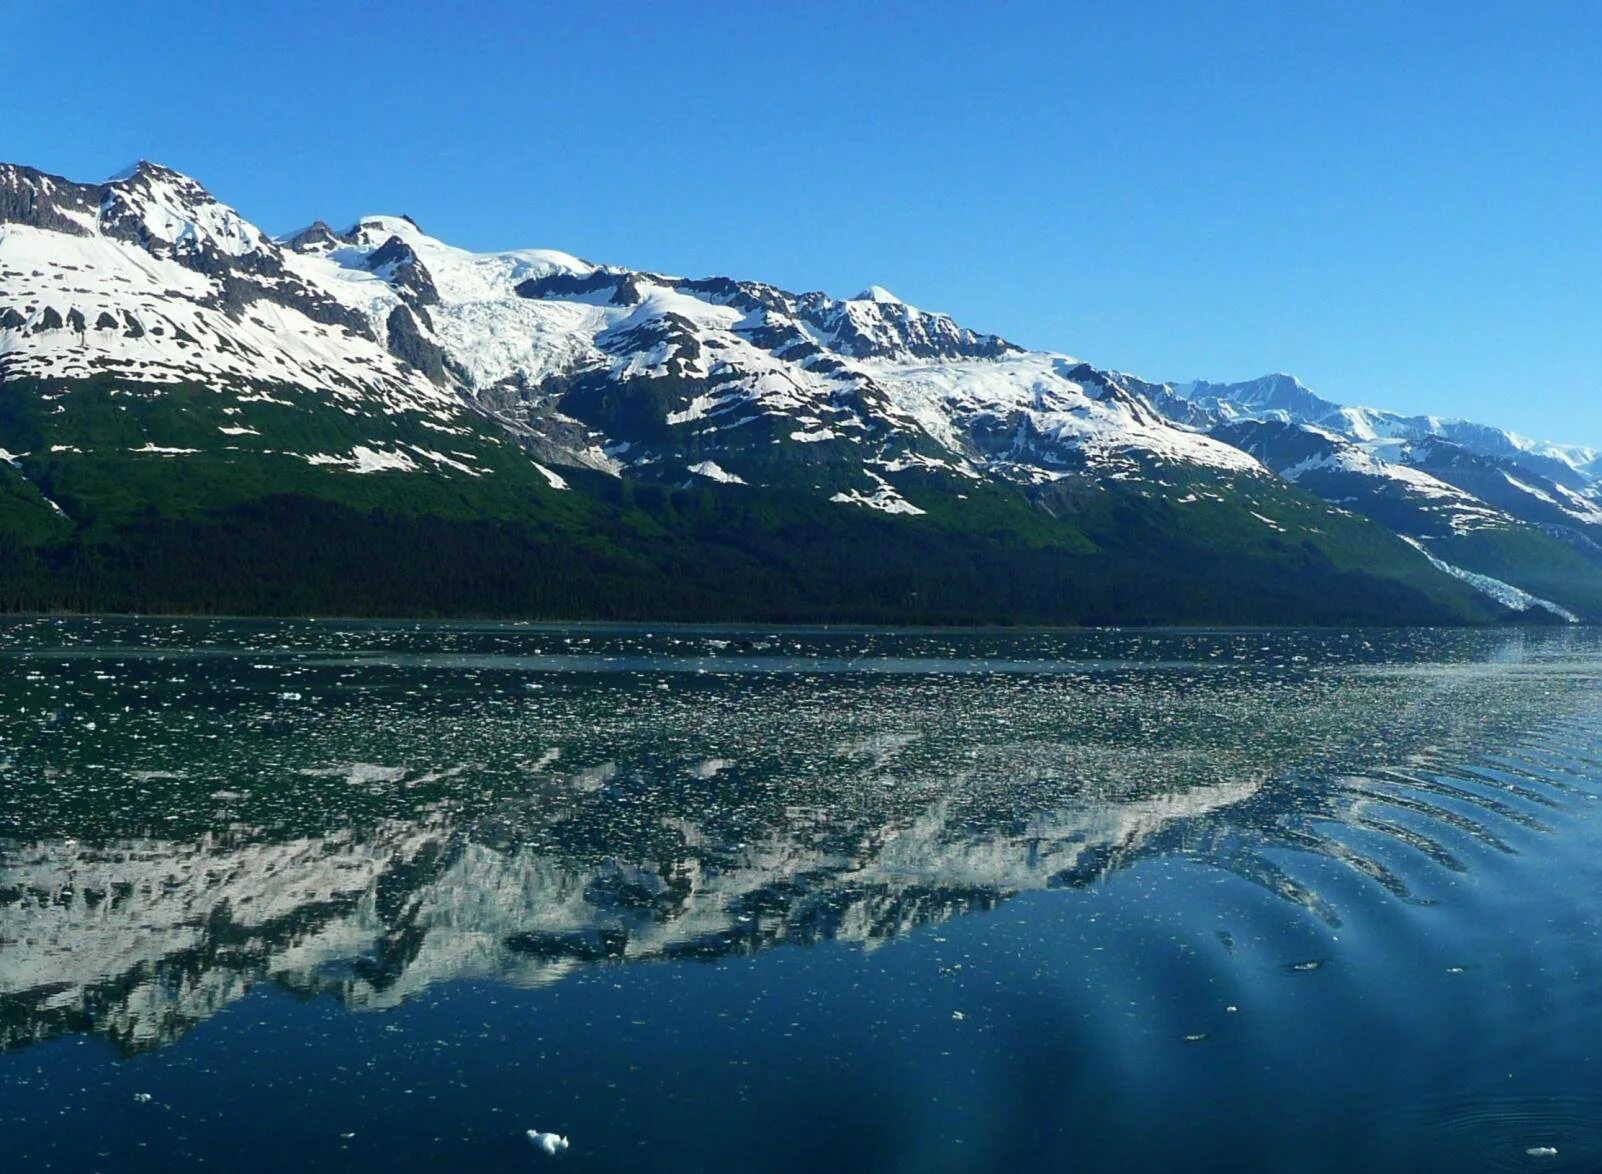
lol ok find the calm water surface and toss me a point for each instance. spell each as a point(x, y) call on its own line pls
point(332, 896)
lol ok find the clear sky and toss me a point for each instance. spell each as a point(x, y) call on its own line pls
point(1401, 203)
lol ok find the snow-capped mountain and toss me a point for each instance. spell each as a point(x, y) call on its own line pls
point(147, 276)
point(147, 326)
point(1393, 437)
point(1477, 498)
point(660, 374)
point(1338, 469)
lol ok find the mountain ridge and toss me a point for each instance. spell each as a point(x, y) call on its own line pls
point(162, 360)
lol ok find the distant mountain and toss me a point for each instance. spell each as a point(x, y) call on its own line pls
point(1283, 397)
point(197, 416)
point(1483, 500)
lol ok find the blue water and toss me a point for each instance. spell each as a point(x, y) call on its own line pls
point(334, 896)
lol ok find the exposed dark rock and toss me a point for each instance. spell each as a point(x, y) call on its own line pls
point(46, 201)
point(751, 296)
point(675, 334)
point(406, 271)
point(1101, 385)
point(782, 337)
point(893, 329)
point(407, 343)
point(316, 237)
point(567, 285)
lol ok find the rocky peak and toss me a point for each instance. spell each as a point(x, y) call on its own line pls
point(398, 263)
point(871, 327)
point(48, 202)
point(316, 237)
point(168, 213)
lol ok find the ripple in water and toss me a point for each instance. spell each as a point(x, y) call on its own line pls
point(1485, 1132)
point(1270, 848)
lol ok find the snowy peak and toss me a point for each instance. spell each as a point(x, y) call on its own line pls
point(640, 373)
point(1389, 434)
point(459, 275)
point(157, 205)
point(147, 283)
point(1409, 499)
point(316, 237)
point(154, 207)
point(632, 371)
point(1460, 489)
point(149, 277)
point(375, 230)
point(877, 325)
point(878, 293)
point(34, 199)
point(1280, 396)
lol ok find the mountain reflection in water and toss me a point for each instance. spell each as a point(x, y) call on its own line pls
point(365, 811)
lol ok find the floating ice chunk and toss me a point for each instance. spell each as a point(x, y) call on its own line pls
point(551, 1143)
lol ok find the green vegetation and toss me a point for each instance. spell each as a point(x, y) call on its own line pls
point(1534, 559)
point(247, 525)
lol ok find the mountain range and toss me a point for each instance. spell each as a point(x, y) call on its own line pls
point(196, 416)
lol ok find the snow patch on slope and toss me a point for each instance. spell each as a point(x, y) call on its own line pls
point(712, 471)
point(152, 319)
point(554, 480)
point(1509, 596)
point(948, 398)
point(364, 460)
point(884, 498)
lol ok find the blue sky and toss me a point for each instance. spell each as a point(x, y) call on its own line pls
point(1402, 203)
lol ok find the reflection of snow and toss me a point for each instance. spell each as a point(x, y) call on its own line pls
point(301, 911)
point(743, 813)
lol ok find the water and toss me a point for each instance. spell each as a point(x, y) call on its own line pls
point(321, 896)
